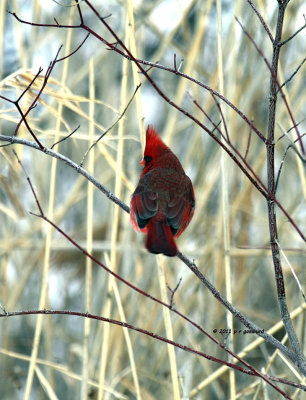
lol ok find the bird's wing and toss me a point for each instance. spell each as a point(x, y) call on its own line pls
point(179, 212)
point(143, 207)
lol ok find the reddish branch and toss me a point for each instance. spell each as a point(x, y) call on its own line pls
point(153, 335)
point(24, 115)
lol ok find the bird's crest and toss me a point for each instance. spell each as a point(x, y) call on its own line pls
point(153, 143)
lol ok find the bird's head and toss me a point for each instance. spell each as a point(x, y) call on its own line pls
point(155, 148)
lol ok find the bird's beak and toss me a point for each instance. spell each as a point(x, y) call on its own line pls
point(142, 162)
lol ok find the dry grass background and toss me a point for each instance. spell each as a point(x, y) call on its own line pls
point(67, 357)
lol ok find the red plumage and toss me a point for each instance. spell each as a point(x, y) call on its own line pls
point(163, 202)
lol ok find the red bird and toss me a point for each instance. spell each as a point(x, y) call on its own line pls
point(163, 202)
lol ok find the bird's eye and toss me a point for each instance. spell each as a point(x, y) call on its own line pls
point(147, 159)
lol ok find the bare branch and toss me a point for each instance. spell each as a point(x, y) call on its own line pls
point(172, 291)
point(65, 138)
point(248, 145)
point(70, 163)
point(290, 146)
point(292, 36)
point(222, 117)
point(262, 21)
point(293, 74)
point(267, 378)
point(30, 184)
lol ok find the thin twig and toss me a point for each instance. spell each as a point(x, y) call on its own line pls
point(292, 75)
point(176, 69)
point(23, 116)
point(292, 271)
point(290, 146)
point(172, 291)
point(222, 117)
point(248, 145)
point(111, 127)
point(281, 167)
point(216, 126)
point(65, 138)
point(261, 20)
point(292, 36)
point(174, 61)
point(30, 183)
point(28, 86)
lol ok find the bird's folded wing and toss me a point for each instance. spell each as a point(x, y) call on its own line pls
point(179, 212)
point(143, 207)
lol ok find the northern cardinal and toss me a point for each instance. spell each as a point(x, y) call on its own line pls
point(163, 202)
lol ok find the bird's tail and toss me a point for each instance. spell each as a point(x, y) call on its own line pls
point(160, 239)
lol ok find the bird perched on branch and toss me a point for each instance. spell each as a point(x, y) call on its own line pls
point(163, 202)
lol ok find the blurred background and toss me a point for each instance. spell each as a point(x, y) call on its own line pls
point(67, 357)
